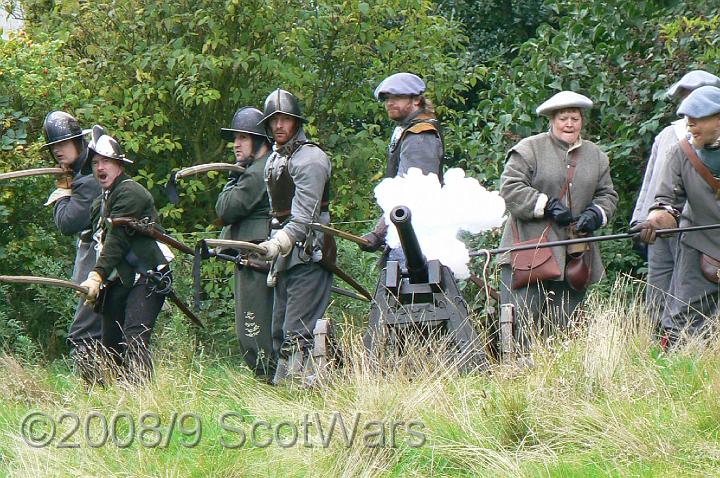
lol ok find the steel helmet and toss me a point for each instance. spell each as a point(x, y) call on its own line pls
point(281, 101)
point(60, 126)
point(104, 145)
point(246, 120)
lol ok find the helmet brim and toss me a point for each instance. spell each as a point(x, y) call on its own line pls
point(228, 134)
point(60, 140)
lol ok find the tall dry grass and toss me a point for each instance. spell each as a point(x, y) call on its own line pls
point(601, 400)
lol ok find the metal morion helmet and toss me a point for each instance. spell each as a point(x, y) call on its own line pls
point(246, 120)
point(60, 126)
point(281, 101)
point(104, 145)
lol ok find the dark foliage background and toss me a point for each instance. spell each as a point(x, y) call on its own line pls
point(165, 76)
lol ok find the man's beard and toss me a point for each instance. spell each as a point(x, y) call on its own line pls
point(697, 143)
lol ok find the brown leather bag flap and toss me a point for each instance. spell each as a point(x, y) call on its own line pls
point(530, 258)
point(710, 268)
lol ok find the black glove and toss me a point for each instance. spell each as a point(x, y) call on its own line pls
point(644, 232)
point(558, 212)
point(589, 220)
point(375, 242)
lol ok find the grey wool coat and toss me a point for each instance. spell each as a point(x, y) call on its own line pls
point(310, 169)
point(682, 188)
point(244, 207)
point(535, 170)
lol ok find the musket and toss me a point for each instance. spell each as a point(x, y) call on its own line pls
point(581, 240)
point(172, 295)
point(32, 172)
point(348, 293)
point(239, 245)
point(349, 280)
point(185, 309)
point(335, 232)
point(203, 252)
point(171, 186)
point(147, 228)
point(44, 281)
point(251, 247)
point(49, 281)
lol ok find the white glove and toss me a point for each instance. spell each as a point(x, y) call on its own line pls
point(59, 193)
point(93, 283)
point(279, 244)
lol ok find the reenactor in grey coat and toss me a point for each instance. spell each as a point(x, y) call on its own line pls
point(688, 195)
point(244, 209)
point(416, 141)
point(297, 175)
point(661, 254)
point(71, 201)
point(555, 184)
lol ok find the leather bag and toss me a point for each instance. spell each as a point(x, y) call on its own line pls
point(531, 266)
point(577, 267)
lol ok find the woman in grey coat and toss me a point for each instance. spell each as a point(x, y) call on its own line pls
point(558, 184)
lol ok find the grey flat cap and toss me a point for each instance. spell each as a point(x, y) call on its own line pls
point(692, 81)
point(702, 102)
point(400, 84)
point(562, 100)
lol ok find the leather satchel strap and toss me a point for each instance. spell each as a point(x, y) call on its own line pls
point(563, 191)
point(702, 170)
point(570, 174)
point(516, 236)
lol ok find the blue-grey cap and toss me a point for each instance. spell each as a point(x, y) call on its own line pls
point(400, 84)
point(702, 102)
point(692, 81)
point(563, 100)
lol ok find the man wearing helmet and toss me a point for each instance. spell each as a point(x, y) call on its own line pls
point(244, 209)
point(416, 141)
point(71, 202)
point(131, 269)
point(297, 175)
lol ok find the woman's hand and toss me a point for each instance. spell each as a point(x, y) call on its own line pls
point(558, 212)
point(589, 220)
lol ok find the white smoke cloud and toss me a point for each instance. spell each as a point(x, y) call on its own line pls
point(439, 213)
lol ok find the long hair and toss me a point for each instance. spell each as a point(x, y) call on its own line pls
point(426, 105)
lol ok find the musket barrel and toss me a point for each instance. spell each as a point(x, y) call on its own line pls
point(589, 239)
point(414, 258)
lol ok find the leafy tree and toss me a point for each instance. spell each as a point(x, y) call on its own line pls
point(33, 80)
point(165, 76)
point(494, 27)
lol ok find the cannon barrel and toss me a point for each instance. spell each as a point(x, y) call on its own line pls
point(415, 261)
